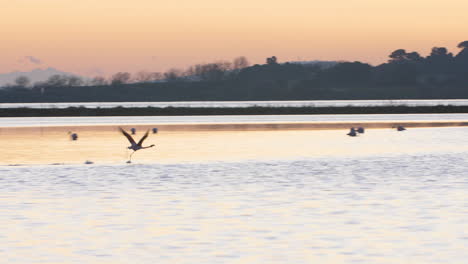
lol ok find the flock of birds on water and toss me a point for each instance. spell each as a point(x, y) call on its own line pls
point(135, 146)
point(360, 130)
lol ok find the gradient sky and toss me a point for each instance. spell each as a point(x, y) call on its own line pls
point(93, 37)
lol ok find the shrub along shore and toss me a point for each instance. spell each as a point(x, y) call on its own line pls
point(179, 111)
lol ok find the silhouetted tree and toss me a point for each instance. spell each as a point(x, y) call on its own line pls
point(461, 62)
point(211, 71)
point(463, 45)
point(22, 81)
point(462, 56)
point(74, 81)
point(173, 74)
point(56, 81)
point(98, 81)
point(240, 63)
point(414, 57)
point(400, 55)
point(144, 76)
point(439, 61)
point(440, 52)
point(272, 60)
point(120, 78)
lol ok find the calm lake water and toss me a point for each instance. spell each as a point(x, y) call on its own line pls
point(314, 103)
point(61, 121)
point(260, 197)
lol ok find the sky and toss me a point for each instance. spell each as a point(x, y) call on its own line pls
point(91, 37)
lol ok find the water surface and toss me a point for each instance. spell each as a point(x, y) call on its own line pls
point(63, 121)
point(379, 209)
point(236, 197)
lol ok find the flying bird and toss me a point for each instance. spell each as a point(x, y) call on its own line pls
point(135, 146)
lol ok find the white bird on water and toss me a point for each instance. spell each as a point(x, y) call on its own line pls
point(135, 146)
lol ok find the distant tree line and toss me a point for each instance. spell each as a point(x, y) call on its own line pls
point(200, 72)
point(406, 75)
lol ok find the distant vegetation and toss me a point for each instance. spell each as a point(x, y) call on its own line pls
point(406, 75)
point(255, 110)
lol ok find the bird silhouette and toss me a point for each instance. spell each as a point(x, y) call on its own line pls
point(135, 146)
point(73, 136)
point(352, 132)
point(401, 128)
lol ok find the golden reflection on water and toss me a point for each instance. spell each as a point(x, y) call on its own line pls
point(48, 146)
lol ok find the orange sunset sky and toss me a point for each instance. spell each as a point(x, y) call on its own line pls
point(93, 37)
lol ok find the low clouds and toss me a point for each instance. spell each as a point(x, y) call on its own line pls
point(29, 61)
point(33, 60)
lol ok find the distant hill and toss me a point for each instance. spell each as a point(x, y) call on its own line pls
point(37, 75)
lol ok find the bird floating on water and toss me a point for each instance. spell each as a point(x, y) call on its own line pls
point(155, 130)
point(401, 128)
point(352, 132)
point(360, 130)
point(133, 130)
point(73, 136)
point(135, 146)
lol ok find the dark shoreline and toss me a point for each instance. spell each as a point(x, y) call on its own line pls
point(183, 111)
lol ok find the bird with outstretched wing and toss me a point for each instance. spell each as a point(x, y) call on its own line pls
point(135, 146)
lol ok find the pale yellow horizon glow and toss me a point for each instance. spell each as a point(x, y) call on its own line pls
point(91, 37)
